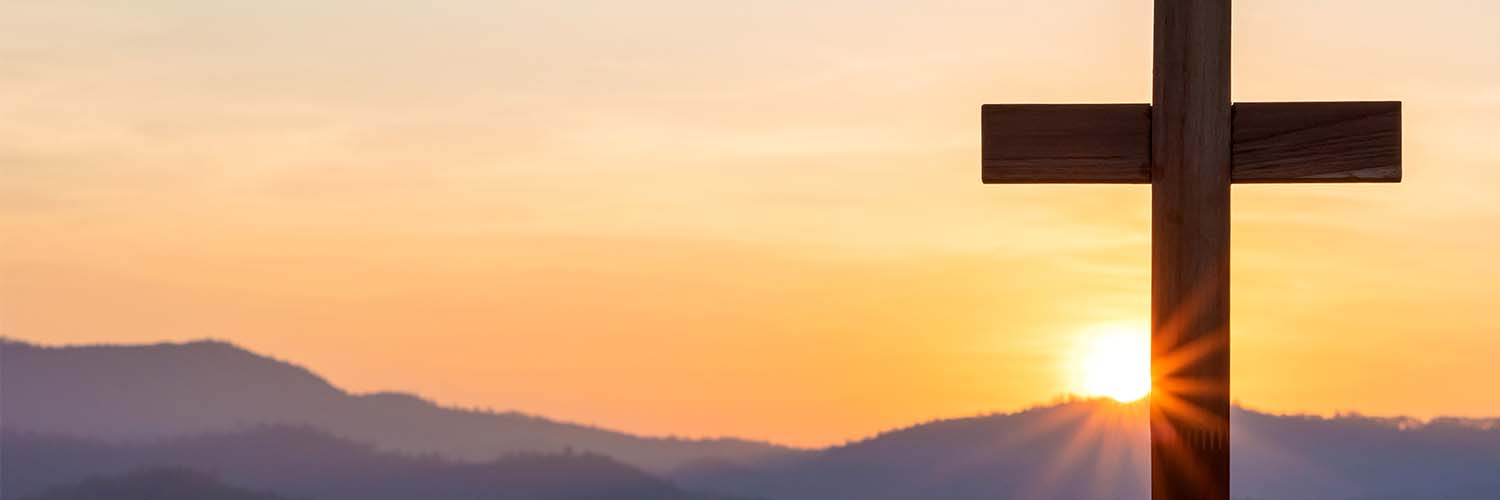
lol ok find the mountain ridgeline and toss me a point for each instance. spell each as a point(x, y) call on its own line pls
point(210, 420)
point(161, 390)
point(1098, 449)
point(302, 462)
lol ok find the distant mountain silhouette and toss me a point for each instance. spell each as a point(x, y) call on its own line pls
point(306, 463)
point(1351, 456)
point(85, 398)
point(154, 484)
point(1083, 450)
point(1098, 450)
point(137, 392)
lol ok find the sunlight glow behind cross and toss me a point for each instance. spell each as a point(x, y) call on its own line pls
point(1114, 360)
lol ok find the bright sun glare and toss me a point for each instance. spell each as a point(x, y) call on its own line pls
point(1114, 361)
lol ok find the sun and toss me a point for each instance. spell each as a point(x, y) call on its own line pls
point(1114, 360)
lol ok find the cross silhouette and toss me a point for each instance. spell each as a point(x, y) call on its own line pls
point(1190, 144)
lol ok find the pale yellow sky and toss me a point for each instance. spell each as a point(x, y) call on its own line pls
point(760, 219)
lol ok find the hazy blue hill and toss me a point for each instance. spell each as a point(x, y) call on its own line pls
point(1083, 450)
point(154, 484)
point(306, 463)
point(1097, 449)
point(1297, 457)
point(137, 392)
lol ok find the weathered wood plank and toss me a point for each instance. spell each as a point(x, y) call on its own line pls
point(1073, 143)
point(1190, 148)
point(1317, 142)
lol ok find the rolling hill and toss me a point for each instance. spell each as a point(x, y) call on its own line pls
point(135, 392)
point(306, 463)
point(1097, 449)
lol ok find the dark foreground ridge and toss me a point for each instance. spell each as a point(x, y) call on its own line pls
point(154, 484)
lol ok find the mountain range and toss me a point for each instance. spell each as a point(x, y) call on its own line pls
point(135, 392)
point(209, 414)
point(1098, 449)
point(303, 462)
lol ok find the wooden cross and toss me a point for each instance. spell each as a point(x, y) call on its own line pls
point(1190, 144)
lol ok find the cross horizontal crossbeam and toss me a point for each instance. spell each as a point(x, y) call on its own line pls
point(1270, 142)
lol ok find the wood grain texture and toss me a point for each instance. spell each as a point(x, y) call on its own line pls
point(1317, 142)
point(1190, 150)
point(1072, 143)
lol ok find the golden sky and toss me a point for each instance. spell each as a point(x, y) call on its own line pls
point(760, 219)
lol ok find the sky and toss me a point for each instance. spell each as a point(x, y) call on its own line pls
point(759, 219)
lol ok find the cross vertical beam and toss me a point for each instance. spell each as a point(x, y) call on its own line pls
point(1190, 176)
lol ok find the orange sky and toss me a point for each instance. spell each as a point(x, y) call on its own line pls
point(760, 219)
